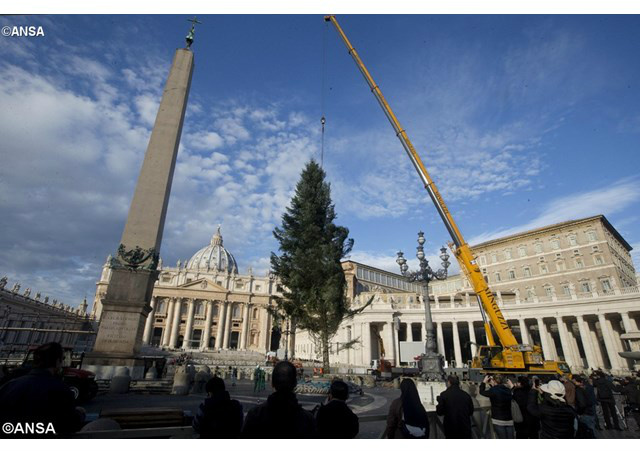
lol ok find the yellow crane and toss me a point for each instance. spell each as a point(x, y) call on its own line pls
point(508, 356)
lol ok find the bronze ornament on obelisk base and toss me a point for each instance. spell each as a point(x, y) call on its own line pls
point(126, 303)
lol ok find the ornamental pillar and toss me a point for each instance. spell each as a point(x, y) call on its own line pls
point(245, 327)
point(186, 343)
point(148, 324)
point(221, 317)
point(457, 350)
point(168, 322)
point(207, 326)
point(227, 326)
point(175, 325)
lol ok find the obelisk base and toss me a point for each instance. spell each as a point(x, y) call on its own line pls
point(124, 313)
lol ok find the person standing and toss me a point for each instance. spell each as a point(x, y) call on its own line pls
point(218, 417)
point(547, 403)
point(530, 425)
point(335, 420)
point(407, 418)
point(631, 389)
point(605, 389)
point(585, 408)
point(457, 408)
point(281, 416)
point(234, 376)
point(41, 396)
point(499, 393)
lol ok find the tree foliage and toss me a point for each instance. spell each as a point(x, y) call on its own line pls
point(309, 266)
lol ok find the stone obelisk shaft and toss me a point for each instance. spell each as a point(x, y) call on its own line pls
point(145, 223)
point(126, 303)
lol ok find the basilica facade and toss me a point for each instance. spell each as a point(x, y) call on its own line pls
point(205, 304)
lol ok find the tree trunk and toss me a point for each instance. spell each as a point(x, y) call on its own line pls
point(325, 353)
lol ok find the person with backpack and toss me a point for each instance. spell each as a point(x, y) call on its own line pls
point(218, 416)
point(407, 418)
point(499, 393)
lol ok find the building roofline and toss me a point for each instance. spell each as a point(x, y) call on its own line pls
point(535, 231)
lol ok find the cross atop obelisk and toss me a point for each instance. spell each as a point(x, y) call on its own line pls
point(190, 36)
point(126, 303)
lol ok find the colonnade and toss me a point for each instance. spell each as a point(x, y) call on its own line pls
point(215, 319)
point(584, 341)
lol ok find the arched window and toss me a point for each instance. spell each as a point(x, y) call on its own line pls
point(160, 307)
point(236, 311)
point(215, 311)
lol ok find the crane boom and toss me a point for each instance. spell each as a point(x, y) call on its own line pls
point(462, 251)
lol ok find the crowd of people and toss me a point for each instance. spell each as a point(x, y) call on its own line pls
point(525, 409)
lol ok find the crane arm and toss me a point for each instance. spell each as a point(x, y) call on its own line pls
point(462, 251)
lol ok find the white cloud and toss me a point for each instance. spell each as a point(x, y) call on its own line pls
point(606, 200)
point(205, 140)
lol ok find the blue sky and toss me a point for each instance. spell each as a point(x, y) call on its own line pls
point(522, 121)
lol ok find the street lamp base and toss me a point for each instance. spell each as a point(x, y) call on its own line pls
point(432, 366)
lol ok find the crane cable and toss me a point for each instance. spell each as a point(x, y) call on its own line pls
point(322, 94)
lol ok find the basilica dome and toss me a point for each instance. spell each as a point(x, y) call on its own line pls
point(214, 257)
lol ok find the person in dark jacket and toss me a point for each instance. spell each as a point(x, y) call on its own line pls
point(631, 390)
point(280, 417)
point(499, 393)
point(407, 418)
point(605, 389)
point(556, 417)
point(41, 397)
point(585, 408)
point(218, 417)
point(457, 408)
point(530, 425)
point(335, 420)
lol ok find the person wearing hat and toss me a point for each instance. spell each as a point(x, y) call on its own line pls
point(547, 402)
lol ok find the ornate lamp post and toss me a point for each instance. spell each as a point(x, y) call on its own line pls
point(286, 344)
point(431, 360)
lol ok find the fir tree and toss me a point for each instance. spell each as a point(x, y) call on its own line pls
point(309, 267)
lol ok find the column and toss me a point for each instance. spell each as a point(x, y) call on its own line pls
point(389, 343)
point(245, 327)
point(168, 321)
point(591, 348)
point(456, 344)
point(264, 330)
point(617, 345)
point(608, 342)
point(544, 339)
point(186, 344)
point(175, 325)
point(524, 332)
point(227, 327)
point(440, 340)
point(396, 342)
point(592, 338)
point(566, 346)
point(626, 321)
point(366, 344)
point(221, 316)
point(423, 332)
point(148, 324)
point(207, 325)
point(472, 338)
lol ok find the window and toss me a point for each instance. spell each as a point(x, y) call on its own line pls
point(573, 240)
point(598, 259)
point(586, 287)
point(166, 278)
point(239, 284)
point(483, 260)
point(538, 247)
point(160, 307)
point(258, 288)
point(543, 269)
point(494, 258)
point(548, 291)
point(566, 290)
point(522, 251)
point(255, 313)
point(527, 272)
point(555, 244)
point(183, 309)
point(592, 236)
point(507, 254)
point(560, 265)
point(236, 312)
point(606, 285)
point(215, 311)
point(512, 274)
point(579, 264)
point(498, 277)
point(199, 309)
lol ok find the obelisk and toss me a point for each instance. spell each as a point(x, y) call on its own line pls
point(126, 303)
